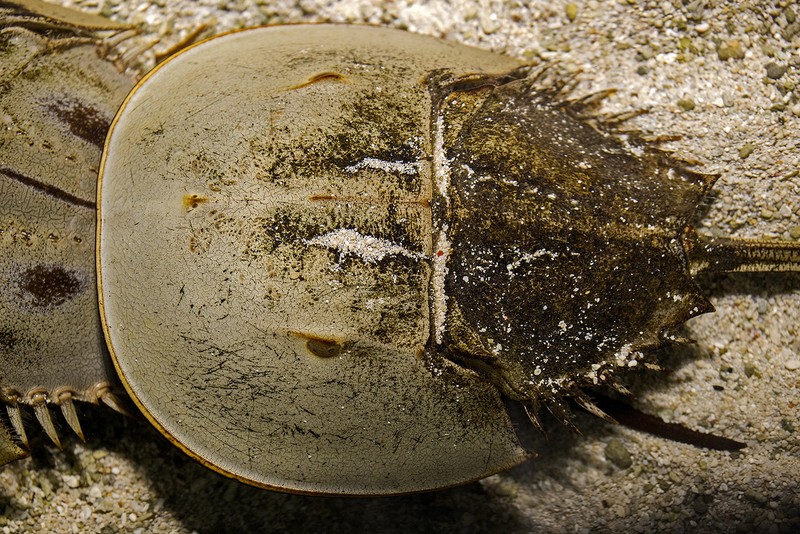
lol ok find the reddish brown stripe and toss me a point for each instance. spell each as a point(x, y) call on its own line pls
point(425, 203)
point(48, 189)
point(321, 77)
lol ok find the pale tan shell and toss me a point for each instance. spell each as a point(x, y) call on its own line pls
point(285, 361)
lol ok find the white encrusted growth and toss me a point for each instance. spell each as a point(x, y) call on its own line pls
point(438, 296)
point(528, 257)
point(369, 248)
point(441, 165)
point(442, 248)
point(627, 357)
point(401, 167)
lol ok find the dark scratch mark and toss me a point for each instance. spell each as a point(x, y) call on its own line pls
point(48, 189)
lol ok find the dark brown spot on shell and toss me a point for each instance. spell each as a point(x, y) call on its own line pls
point(83, 120)
point(49, 285)
point(8, 339)
point(323, 348)
point(190, 202)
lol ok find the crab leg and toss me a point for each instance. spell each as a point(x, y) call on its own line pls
point(39, 403)
point(70, 415)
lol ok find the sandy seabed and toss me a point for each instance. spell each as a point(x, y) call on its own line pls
point(741, 380)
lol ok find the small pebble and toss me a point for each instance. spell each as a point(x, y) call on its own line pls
point(746, 150)
point(730, 50)
point(617, 454)
point(95, 492)
point(696, 10)
point(685, 43)
point(46, 485)
point(793, 364)
point(489, 24)
point(775, 71)
point(571, 11)
point(755, 496)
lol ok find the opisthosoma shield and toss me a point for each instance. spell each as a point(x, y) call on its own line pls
point(58, 97)
point(342, 241)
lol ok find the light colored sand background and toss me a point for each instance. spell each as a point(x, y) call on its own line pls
point(741, 380)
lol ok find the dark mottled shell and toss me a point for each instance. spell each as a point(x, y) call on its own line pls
point(558, 224)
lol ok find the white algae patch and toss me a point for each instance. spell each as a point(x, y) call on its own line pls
point(401, 167)
point(371, 249)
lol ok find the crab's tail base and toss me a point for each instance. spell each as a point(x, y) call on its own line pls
point(727, 254)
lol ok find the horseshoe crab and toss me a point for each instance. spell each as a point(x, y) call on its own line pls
point(403, 234)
